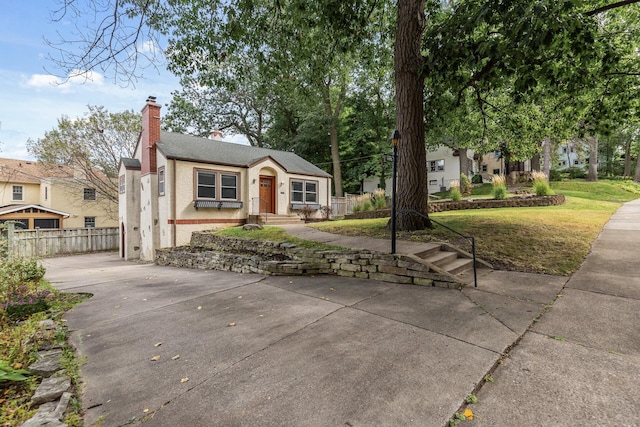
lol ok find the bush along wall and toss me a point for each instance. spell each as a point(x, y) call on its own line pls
point(511, 202)
point(210, 251)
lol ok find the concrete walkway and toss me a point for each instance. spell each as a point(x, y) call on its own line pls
point(247, 350)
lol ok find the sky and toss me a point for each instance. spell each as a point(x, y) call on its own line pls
point(30, 101)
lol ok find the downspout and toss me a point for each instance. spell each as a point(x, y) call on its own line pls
point(174, 208)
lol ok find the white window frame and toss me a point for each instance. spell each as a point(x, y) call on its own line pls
point(89, 220)
point(161, 181)
point(17, 193)
point(304, 192)
point(122, 184)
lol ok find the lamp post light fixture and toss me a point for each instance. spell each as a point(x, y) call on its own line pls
point(395, 140)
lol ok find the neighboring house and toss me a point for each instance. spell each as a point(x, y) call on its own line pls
point(570, 155)
point(177, 184)
point(494, 164)
point(444, 165)
point(43, 196)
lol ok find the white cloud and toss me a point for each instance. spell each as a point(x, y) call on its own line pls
point(75, 79)
point(42, 80)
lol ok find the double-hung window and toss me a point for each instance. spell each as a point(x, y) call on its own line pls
point(122, 183)
point(206, 185)
point(228, 186)
point(304, 191)
point(17, 193)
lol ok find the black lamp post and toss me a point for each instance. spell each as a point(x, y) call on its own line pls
point(395, 140)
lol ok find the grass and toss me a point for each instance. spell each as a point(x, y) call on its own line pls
point(551, 240)
point(274, 234)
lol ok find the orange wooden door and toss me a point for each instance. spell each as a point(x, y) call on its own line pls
point(267, 194)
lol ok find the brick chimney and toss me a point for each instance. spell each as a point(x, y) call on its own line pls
point(150, 135)
point(216, 134)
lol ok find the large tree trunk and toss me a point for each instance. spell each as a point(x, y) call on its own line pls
point(593, 158)
point(627, 158)
point(636, 178)
point(546, 148)
point(412, 191)
point(333, 114)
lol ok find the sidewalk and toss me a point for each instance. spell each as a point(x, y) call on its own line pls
point(580, 364)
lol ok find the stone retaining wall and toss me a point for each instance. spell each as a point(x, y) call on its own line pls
point(512, 202)
point(209, 251)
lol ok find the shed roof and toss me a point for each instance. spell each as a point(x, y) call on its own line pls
point(197, 149)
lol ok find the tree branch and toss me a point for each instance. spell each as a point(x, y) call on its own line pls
point(611, 6)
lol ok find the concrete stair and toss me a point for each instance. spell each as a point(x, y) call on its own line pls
point(452, 262)
point(273, 219)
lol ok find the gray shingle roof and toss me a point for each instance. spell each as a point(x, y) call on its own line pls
point(193, 148)
point(130, 163)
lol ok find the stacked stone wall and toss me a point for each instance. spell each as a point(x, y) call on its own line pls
point(210, 251)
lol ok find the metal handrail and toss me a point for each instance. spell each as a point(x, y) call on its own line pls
point(260, 199)
point(470, 238)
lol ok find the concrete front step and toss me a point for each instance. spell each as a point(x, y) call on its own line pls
point(281, 219)
point(430, 249)
point(458, 265)
point(441, 258)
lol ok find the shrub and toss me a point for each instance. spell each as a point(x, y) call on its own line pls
point(23, 302)
point(540, 184)
point(363, 203)
point(576, 172)
point(465, 185)
point(379, 199)
point(306, 212)
point(499, 187)
point(476, 179)
point(454, 193)
point(17, 273)
point(326, 212)
point(554, 175)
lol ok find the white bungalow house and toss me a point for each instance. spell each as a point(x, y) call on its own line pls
point(177, 184)
point(444, 165)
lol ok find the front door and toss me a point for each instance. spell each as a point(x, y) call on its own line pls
point(267, 194)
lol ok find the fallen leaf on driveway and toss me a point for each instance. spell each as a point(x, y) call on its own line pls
point(146, 410)
point(176, 357)
point(184, 380)
point(199, 307)
point(240, 297)
point(154, 358)
point(331, 289)
point(158, 344)
point(232, 324)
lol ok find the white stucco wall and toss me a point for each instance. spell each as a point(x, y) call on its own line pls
point(129, 213)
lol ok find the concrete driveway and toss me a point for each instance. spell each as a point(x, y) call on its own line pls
point(175, 347)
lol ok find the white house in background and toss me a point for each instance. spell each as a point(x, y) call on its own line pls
point(444, 165)
point(177, 184)
point(570, 155)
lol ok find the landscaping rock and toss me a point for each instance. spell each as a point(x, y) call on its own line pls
point(50, 414)
point(50, 389)
point(252, 227)
point(48, 363)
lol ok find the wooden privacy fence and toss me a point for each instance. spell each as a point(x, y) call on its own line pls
point(42, 243)
point(341, 206)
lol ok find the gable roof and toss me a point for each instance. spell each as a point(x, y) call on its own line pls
point(31, 172)
point(192, 148)
point(16, 208)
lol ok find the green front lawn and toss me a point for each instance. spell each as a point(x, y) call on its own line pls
point(552, 240)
